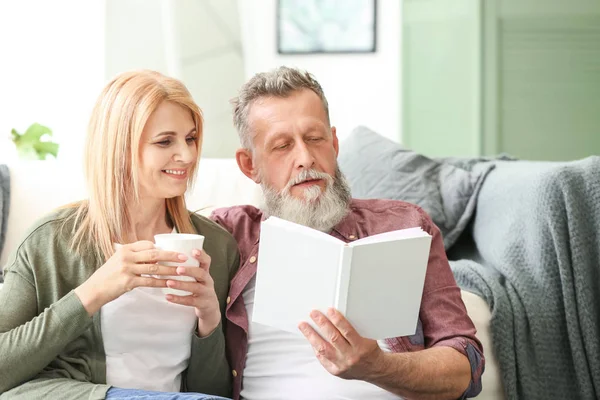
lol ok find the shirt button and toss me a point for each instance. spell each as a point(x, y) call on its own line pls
point(252, 259)
point(234, 373)
point(228, 299)
point(352, 237)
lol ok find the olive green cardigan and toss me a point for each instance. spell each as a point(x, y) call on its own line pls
point(51, 348)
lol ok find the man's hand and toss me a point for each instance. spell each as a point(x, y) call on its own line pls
point(434, 373)
point(341, 350)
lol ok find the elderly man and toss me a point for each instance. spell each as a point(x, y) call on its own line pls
point(290, 148)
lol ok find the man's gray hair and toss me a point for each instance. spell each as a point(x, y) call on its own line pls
point(280, 82)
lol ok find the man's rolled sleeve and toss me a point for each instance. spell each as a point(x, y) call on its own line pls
point(476, 360)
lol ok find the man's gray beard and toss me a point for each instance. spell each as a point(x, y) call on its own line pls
point(318, 211)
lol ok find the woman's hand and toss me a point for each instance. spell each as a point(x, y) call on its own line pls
point(123, 272)
point(203, 297)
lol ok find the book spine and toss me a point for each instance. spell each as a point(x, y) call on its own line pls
point(343, 281)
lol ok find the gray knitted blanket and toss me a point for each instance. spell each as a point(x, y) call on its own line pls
point(4, 205)
point(536, 261)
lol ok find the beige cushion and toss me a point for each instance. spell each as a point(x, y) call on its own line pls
point(480, 314)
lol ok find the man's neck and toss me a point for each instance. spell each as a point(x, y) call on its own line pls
point(329, 228)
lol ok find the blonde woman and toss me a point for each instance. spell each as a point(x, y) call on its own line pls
point(81, 320)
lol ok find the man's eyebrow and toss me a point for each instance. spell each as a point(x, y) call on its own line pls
point(277, 136)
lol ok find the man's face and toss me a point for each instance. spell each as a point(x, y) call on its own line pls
point(294, 160)
point(292, 135)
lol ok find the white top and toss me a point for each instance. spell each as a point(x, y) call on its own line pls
point(147, 340)
point(280, 364)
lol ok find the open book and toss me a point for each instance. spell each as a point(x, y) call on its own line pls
point(376, 282)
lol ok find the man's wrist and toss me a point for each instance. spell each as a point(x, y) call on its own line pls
point(380, 367)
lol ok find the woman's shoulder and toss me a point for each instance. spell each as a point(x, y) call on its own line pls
point(52, 225)
point(48, 233)
point(208, 228)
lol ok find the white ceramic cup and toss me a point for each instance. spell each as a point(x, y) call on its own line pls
point(182, 243)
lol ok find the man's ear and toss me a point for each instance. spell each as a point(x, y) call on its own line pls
point(336, 144)
point(244, 161)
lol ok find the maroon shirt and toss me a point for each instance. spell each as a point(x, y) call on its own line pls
point(443, 319)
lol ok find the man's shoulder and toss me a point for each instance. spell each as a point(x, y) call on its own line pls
point(228, 216)
point(243, 222)
point(384, 206)
point(381, 215)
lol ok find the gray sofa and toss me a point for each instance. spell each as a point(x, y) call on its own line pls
point(4, 206)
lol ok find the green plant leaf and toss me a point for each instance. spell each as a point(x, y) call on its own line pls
point(33, 144)
point(27, 153)
point(15, 135)
point(34, 133)
point(44, 148)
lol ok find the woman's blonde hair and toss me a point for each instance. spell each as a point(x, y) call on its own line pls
point(112, 158)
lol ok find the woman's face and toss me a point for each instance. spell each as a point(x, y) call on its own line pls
point(168, 151)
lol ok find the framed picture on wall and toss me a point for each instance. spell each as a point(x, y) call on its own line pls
point(326, 26)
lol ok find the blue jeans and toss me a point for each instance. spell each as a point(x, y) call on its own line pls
point(135, 394)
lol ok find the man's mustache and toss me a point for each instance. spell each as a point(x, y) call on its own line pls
point(307, 175)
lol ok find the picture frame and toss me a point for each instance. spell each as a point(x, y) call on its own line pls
point(326, 26)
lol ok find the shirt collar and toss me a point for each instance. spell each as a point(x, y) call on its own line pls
point(263, 216)
point(347, 227)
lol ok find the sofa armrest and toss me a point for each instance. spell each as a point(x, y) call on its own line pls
point(480, 314)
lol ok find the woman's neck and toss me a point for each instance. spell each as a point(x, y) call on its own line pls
point(149, 218)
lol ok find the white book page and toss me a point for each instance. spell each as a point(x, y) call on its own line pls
point(392, 235)
point(297, 272)
point(386, 286)
point(299, 230)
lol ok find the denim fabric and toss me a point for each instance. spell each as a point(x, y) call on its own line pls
point(135, 394)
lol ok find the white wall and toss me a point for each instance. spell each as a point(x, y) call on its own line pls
point(210, 60)
point(51, 69)
point(134, 36)
point(197, 41)
point(362, 89)
point(55, 56)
